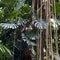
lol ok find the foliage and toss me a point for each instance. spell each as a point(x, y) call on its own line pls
point(9, 7)
point(1, 29)
point(58, 8)
point(1, 15)
point(4, 52)
point(24, 12)
point(28, 2)
point(9, 3)
point(13, 9)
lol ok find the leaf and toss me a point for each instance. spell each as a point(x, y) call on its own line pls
point(5, 52)
point(9, 2)
point(1, 49)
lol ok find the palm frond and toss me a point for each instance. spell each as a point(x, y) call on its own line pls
point(22, 21)
point(4, 52)
point(29, 42)
point(39, 24)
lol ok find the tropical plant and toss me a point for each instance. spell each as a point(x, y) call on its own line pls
point(24, 12)
point(5, 53)
point(27, 29)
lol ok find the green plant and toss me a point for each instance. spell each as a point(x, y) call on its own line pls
point(58, 8)
point(4, 52)
point(24, 12)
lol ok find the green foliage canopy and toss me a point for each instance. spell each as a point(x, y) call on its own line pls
point(58, 8)
point(24, 12)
